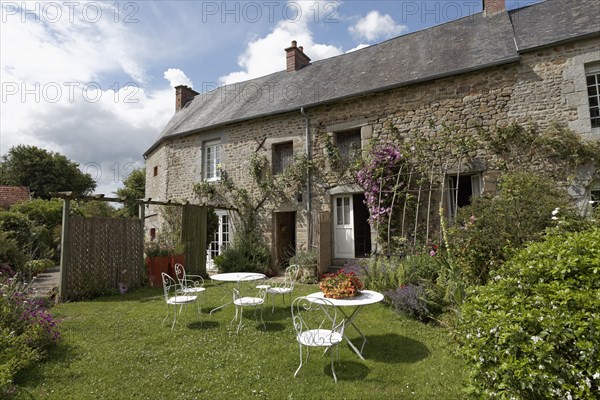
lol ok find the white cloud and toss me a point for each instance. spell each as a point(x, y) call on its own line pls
point(177, 77)
point(59, 92)
point(360, 46)
point(266, 55)
point(375, 26)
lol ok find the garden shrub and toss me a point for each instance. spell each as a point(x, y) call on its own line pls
point(410, 300)
point(46, 213)
point(11, 257)
point(247, 253)
point(18, 227)
point(382, 273)
point(35, 267)
point(533, 332)
point(27, 329)
point(15, 355)
point(411, 284)
point(493, 228)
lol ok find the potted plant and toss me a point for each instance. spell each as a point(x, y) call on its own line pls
point(307, 260)
point(158, 257)
point(340, 285)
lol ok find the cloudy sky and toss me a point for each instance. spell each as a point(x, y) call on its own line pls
point(94, 80)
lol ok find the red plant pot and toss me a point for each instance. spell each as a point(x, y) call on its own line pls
point(154, 267)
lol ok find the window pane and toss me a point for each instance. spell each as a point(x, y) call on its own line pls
point(591, 80)
point(592, 90)
point(346, 210)
point(339, 212)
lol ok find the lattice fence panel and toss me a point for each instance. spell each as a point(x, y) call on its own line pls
point(103, 253)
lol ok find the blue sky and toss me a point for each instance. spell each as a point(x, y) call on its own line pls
point(94, 80)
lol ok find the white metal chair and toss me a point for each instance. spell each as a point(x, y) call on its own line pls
point(317, 325)
point(246, 294)
point(190, 284)
point(174, 297)
point(285, 287)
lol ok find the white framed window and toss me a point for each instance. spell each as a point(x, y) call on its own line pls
point(460, 191)
point(592, 76)
point(212, 160)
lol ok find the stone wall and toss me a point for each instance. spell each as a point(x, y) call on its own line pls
point(546, 86)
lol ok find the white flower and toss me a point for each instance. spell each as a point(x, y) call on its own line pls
point(596, 375)
point(591, 201)
point(555, 211)
point(536, 339)
point(554, 218)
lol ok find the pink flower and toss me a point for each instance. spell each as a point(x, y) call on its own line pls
point(432, 253)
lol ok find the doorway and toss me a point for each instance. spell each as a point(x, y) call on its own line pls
point(284, 237)
point(362, 228)
point(351, 229)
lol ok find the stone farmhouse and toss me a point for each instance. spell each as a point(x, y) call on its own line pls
point(538, 64)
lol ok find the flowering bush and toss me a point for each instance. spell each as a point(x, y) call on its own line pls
point(378, 178)
point(340, 285)
point(492, 229)
point(410, 300)
point(533, 332)
point(26, 329)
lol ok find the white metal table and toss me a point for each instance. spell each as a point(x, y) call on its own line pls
point(365, 297)
point(235, 277)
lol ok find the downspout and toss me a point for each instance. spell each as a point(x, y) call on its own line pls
point(308, 183)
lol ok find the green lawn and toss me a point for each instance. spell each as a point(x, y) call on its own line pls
point(115, 348)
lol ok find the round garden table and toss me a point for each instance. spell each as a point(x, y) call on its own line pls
point(365, 298)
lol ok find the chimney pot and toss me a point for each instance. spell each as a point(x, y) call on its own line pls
point(295, 57)
point(492, 7)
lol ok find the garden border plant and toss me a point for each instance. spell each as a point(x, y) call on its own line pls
point(533, 331)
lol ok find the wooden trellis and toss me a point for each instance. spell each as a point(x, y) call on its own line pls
point(105, 254)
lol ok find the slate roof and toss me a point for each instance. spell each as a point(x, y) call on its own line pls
point(555, 21)
point(467, 44)
point(10, 195)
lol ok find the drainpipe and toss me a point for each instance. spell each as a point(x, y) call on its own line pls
point(308, 183)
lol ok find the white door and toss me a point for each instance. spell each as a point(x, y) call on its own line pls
point(343, 229)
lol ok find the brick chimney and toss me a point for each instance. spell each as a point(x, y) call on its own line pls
point(492, 7)
point(183, 95)
point(295, 57)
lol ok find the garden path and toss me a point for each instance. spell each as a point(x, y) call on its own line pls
point(45, 282)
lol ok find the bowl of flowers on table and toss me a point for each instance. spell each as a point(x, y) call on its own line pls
point(340, 285)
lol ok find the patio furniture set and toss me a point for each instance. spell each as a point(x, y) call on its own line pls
point(318, 321)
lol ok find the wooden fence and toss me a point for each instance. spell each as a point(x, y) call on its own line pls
point(99, 255)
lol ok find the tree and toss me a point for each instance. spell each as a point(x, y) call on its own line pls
point(44, 172)
point(134, 188)
point(94, 209)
